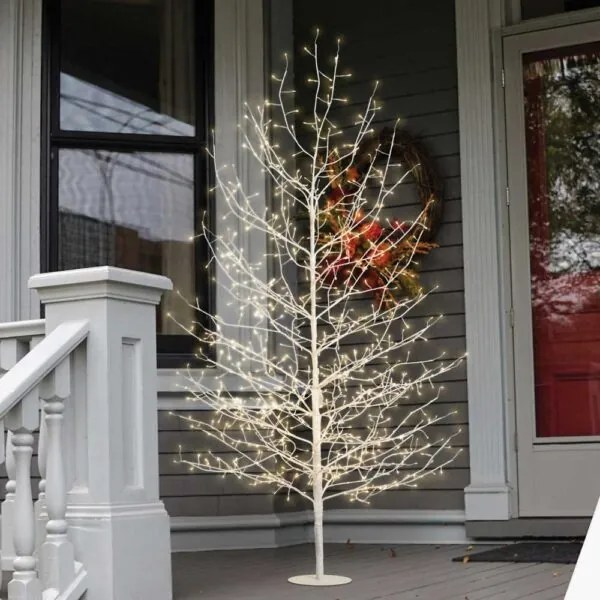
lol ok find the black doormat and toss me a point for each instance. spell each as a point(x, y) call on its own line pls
point(564, 553)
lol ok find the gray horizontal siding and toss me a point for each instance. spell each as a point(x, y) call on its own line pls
point(189, 492)
point(409, 48)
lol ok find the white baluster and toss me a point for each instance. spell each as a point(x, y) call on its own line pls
point(24, 584)
point(10, 353)
point(40, 505)
point(2, 442)
point(8, 506)
point(57, 556)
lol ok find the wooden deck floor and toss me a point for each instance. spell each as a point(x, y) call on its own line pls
point(379, 573)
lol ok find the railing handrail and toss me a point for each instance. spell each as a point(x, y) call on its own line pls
point(21, 329)
point(29, 372)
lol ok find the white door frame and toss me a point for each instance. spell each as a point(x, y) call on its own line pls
point(539, 463)
point(480, 28)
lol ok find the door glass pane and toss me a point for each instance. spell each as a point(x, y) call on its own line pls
point(562, 108)
point(127, 67)
point(131, 210)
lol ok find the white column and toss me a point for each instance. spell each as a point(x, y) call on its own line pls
point(118, 525)
point(489, 495)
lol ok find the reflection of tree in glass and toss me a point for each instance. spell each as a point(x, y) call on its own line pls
point(571, 119)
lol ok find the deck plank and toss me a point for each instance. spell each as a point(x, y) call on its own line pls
point(418, 572)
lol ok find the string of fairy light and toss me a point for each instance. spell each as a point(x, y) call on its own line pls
point(346, 404)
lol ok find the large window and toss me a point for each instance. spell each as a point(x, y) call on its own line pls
point(127, 117)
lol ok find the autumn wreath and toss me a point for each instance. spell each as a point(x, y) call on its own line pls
point(359, 250)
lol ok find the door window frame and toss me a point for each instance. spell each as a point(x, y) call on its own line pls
point(528, 446)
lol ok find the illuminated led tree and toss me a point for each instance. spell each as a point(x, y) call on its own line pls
point(341, 406)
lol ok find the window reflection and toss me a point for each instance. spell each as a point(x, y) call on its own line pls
point(562, 109)
point(131, 210)
point(563, 135)
point(87, 107)
point(127, 67)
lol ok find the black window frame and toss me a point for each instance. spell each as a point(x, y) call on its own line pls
point(174, 351)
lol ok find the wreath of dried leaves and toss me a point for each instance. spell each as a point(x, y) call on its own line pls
point(369, 254)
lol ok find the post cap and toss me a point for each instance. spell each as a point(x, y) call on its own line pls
point(100, 282)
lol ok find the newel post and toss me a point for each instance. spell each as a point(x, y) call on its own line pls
point(117, 523)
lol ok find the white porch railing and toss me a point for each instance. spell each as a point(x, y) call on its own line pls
point(37, 368)
point(83, 379)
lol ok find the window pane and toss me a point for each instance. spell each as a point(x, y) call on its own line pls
point(562, 111)
point(127, 67)
point(131, 210)
point(531, 9)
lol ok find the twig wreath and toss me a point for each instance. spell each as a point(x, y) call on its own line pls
point(360, 252)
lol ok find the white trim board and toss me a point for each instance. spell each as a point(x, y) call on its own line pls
point(369, 526)
point(240, 77)
point(553, 21)
point(20, 116)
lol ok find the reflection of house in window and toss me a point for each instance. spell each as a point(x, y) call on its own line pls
point(89, 107)
point(132, 210)
point(88, 241)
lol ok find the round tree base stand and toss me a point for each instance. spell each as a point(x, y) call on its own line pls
point(326, 580)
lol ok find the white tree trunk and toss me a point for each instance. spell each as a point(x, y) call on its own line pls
point(317, 483)
point(316, 393)
point(319, 556)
